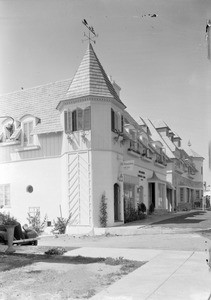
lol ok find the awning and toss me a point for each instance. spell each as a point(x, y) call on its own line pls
point(169, 185)
point(155, 178)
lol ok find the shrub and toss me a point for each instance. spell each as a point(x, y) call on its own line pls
point(7, 219)
point(130, 214)
point(103, 211)
point(61, 224)
point(151, 208)
point(56, 251)
point(36, 223)
point(142, 207)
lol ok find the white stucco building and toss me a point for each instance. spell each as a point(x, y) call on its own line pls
point(65, 144)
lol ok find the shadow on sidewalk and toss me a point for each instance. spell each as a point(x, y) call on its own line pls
point(182, 219)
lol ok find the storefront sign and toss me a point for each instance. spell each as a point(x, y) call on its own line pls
point(128, 165)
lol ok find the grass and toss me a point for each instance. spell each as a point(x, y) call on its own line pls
point(17, 260)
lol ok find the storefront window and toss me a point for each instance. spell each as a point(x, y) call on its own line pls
point(129, 195)
point(161, 203)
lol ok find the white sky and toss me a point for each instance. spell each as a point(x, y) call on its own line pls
point(160, 63)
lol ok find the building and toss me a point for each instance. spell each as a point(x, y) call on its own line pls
point(66, 144)
point(184, 171)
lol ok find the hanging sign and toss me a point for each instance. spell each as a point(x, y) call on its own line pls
point(128, 165)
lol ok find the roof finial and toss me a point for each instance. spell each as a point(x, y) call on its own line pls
point(189, 143)
point(91, 31)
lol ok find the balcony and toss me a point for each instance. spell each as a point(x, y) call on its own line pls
point(146, 158)
point(160, 163)
point(133, 152)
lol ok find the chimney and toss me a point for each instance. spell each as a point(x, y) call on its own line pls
point(177, 141)
point(116, 87)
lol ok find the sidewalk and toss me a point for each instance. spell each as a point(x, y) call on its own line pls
point(170, 275)
point(145, 226)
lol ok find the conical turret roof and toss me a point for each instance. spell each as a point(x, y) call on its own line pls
point(91, 79)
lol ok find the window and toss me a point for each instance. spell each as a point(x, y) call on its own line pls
point(181, 194)
point(117, 121)
point(197, 194)
point(87, 118)
point(34, 211)
point(27, 129)
point(78, 119)
point(4, 195)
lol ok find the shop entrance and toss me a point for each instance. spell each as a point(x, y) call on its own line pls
point(116, 202)
point(152, 193)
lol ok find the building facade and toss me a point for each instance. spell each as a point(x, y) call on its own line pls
point(184, 171)
point(65, 145)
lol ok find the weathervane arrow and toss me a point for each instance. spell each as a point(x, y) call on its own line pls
point(91, 31)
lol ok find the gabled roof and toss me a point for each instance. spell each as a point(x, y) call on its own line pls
point(40, 101)
point(91, 79)
point(159, 124)
point(192, 153)
point(170, 147)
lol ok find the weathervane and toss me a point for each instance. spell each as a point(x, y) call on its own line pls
point(91, 31)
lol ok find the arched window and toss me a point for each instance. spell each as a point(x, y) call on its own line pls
point(28, 123)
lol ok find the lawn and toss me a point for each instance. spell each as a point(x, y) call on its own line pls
point(35, 276)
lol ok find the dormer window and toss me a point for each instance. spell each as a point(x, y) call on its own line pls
point(7, 135)
point(28, 123)
point(28, 138)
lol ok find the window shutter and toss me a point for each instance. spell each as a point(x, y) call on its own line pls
point(69, 121)
point(122, 123)
point(79, 119)
point(65, 122)
point(74, 120)
point(112, 120)
point(87, 118)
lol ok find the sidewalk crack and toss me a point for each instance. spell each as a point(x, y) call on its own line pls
point(170, 276)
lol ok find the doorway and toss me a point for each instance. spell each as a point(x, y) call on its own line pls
point(152, 193)
point(116, 202)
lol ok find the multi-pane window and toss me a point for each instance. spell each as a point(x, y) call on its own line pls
point(33, 211)
point(4, 195)
point(78, 119)
point(27, 129)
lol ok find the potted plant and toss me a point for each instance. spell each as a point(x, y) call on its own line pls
point(9, 223)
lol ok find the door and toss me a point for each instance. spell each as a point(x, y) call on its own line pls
point(152, 193)
point(116, 202)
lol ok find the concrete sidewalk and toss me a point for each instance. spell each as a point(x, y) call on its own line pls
point(171, 275)
point(145, 226)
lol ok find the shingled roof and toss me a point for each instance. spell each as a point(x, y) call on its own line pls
point(91, 79)
point(42, 101)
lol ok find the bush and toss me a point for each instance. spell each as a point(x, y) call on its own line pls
point(142, 207)
point(7, 219)
point(103, 211)
point(56, 251)
point(131, 214)
point(151, 208)
point(61, 224)
point(36, 223)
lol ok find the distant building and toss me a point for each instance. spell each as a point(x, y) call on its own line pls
point(66, 144)
point(184, 171)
